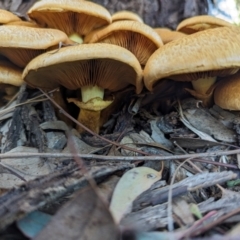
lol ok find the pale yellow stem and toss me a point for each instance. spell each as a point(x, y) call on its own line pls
point(91, 92)
point(90, 107)
point(76, 38)
point(202, 85)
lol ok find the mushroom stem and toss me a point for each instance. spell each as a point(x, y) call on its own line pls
point(91, 92)
point(90, 119)
point(76, 38)
point(202, 85)
point(203, 90)
point(91, 106)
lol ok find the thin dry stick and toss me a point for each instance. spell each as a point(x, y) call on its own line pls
point(127, 158)
point(12, 99)
point(200, 171)
point(81, 163)
point(170, 220)
point(169, 206)
point(218, 221)
point(138, 151)
point(8, 108)
point(193, 230)
point(88, 130)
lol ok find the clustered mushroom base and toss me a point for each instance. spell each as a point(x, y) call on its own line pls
point(90, 107)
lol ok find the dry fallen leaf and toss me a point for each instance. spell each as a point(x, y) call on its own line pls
point(14, 170)
point(83, 217)
point(130, 186)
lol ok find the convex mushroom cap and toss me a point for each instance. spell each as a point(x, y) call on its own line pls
point(126, 15)
point(24, 23)
point(137, 37)
point(10, 78)
point(89, 67)
point(226, 94)
point(7, 17)
point(200, 23)
point(203, 55)
point(20, 44)
point(167, 35)
point(10, 74)
point(70, 16)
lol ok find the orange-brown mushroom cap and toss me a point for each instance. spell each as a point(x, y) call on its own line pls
point(10, 74)
point(137, 37)
point(20, 44)
point(104, 65)
point(7, 17)
point(126, 15)
point(200, 23)
point(226, 94)
point(213, 52)
point(24, 23)
point(167, 35)
point(70, 16)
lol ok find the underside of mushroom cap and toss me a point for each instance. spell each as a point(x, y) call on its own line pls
point(226, 94)
point(70, 16)
point(20, 44)
point(213, 52)
point(104, 65)
point(31, 38)
point(200, 23)
point(128, 26)
point(137, 37)
point(10, 74)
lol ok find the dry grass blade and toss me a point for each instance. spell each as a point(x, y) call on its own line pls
point(83, 217)
point(8, 108)
point(202, 135)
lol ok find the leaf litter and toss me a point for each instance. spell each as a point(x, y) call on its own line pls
point(36, 173)
point(133, 203)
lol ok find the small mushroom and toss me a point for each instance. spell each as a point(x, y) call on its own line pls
point(24, 23)
point(137, 37)
point(167, 35)
point(20, 44)
point(226, 94)
point(126, 15)
point(199, 58)
point(75, 18)
point(200, 23)
point(89, 68)
point(10, 79)
point(7, 17)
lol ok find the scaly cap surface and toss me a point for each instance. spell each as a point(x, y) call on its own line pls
point(20, 44)
point(213, 52)
point(200, 23)
point(226, 94)
point(6, 17)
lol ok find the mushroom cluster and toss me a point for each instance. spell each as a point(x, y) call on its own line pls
point(48, 48)
point(208, 48)
point(80, 46)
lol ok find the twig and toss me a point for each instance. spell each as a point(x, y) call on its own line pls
point(169, 205)
point(125, 158)
point(88, 130)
